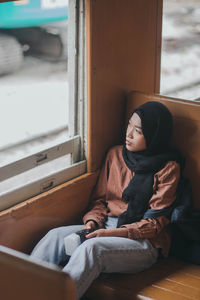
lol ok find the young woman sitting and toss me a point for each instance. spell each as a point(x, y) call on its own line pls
point(130, 207)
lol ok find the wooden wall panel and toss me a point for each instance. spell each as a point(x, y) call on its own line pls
point(123, 46)
point(24, 224)
point(23, 279)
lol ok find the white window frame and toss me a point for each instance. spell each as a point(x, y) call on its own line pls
point(77, 119)
point(77, 71)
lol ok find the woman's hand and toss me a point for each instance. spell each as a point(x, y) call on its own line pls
point(90, 225)
point(120, 232)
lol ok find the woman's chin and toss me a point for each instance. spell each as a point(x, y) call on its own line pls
point(129, 147)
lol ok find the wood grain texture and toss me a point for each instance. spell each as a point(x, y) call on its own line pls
point(167, 279)
point(123, 54)
point(24, 224)
point(22, 279)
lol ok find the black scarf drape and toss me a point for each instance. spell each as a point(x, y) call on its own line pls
point(157, 129)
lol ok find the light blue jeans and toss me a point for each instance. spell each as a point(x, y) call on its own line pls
point(95, 255)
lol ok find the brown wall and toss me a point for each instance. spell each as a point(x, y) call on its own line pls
point(123, 40)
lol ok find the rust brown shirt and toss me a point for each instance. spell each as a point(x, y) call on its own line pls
point(107, 199)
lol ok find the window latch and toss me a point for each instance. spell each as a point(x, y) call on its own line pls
point(41, 157)
point(47, 185)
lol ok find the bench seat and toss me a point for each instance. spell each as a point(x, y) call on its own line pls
point(168, 279)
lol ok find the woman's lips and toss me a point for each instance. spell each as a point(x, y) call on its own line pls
point(128, 143)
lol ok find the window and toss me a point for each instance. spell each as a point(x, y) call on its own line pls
point(180, 67)
point(42, 96)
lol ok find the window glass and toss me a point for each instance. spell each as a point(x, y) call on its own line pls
point(180, 63)
point(39, 95)
point(33, 76)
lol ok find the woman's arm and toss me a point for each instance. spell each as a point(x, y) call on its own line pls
point(146, 228)
point(165, 186)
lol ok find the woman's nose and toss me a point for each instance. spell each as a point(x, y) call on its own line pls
point(130, 132)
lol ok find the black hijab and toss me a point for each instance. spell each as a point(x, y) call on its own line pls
point(157, 127)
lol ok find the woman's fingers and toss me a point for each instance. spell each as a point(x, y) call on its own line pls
point(120, 232)
point(90, 225)
point(96, 233)
point(90, 235)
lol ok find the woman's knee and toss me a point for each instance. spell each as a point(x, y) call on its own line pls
point(59, 233)
point(53, 233)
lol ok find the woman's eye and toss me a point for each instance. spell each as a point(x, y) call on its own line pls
point(138, 131)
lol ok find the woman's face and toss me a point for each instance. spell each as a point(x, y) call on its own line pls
point(135, 140)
